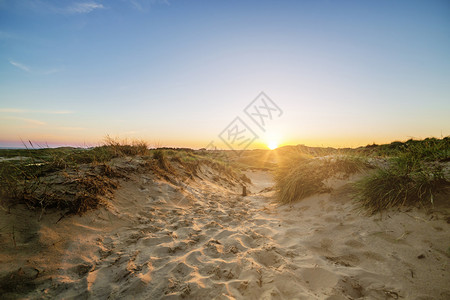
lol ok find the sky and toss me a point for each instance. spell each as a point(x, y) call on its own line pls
point(178, 73)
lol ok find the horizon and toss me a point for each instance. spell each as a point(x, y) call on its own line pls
point(37, 146)
point(176, 74)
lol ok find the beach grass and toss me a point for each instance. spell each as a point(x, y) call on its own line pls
point(36, 177)
point(414, 175)
point(74, 179)
point(406, 173)
point(302, 175)
point(429, 149)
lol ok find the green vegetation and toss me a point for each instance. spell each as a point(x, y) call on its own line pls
point(408, 173)
point(118, 148)
point(160, 156)
point(74, 179)
point(415, 175)
point(301, 175)
point(66, 178)
point(429, 149)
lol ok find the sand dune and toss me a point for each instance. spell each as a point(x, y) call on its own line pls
point(203, 240)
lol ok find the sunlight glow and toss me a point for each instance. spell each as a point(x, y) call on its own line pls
point(272, 145)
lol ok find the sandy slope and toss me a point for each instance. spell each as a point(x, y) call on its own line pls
point(204, 241)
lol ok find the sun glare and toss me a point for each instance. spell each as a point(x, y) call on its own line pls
point(272, 145)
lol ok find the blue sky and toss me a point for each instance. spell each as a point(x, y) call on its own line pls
point(345, 73)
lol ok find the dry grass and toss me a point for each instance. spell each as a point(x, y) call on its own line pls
point(125, 148)
point(301, 175)
point(75, 180)
point(161, 158)
point(416, 172)
point(70, 179)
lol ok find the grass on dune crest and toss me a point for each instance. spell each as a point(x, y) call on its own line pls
point(301, 175)
point(413, 177)
point(66, 178)
point(73, 179)
point(192, 160)
point(409, 173)
point(125, 148)
point(429, 149)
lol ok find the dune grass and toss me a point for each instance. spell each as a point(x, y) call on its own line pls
point(32, 163)
point(36, 176)
point(414, 176)
point(161, 158)
point(429, 149)
point(415, 172)
point(73, 179)
point(301, 175)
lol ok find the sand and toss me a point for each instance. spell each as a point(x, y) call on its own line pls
point(203, 240)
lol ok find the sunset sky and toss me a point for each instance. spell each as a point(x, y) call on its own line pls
point(176, 73)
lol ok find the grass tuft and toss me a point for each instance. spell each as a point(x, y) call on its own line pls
point(301, 175)
point(413, 177)
point(123, 148)
point(388, 188)
point(162, 161)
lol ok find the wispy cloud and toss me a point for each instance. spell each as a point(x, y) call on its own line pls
point(32, 122)
point(58, 7)
point(19, 110)
point(20, 66)
point(28, 69)
point(26, 120)
point(83, 7)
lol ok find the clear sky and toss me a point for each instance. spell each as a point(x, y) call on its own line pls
point(176, 73)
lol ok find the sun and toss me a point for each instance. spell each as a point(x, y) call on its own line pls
point(272, 145)
point(272, 139)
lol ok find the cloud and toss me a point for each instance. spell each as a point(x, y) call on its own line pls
point(20, 66)
point(32, 122)
point(19, 110)
point(56, 7)
point(83, 7)
point(26, 120)
point(34, 71)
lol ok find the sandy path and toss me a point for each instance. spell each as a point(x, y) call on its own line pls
point(205, 241)
point(208, 245)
